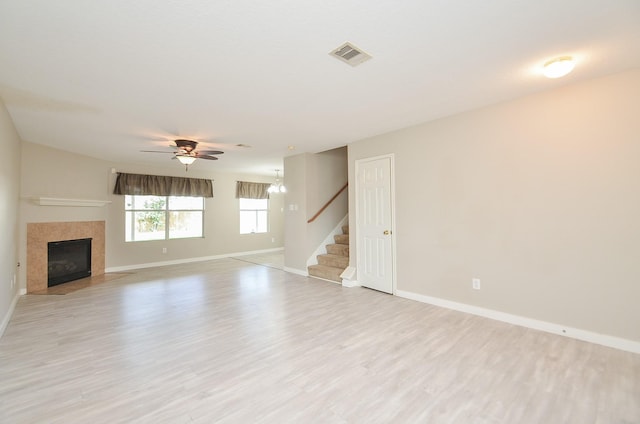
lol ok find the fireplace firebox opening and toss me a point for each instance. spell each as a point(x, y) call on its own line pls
point(68, 260)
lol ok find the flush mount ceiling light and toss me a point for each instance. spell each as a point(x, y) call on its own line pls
point(277, 187)
point(558, 67)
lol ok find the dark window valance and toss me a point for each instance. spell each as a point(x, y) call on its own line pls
point(248, 190)
point(160, 185)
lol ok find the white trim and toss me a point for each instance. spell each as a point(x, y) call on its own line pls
point(324, 279)
point(322, 247)
point(189, 260)
point(348, 279)
point(54, 201)
point(304, 273)
point(350, 283)
point(9, 314)
point(392, 186)
point(549, 327)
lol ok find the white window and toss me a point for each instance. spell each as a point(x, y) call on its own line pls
point(254, 216)
point(163, 217)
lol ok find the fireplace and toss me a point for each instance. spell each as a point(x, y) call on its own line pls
point(39, 234)
point(68, 260)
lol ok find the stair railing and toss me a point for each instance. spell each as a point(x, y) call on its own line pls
point(326, 205)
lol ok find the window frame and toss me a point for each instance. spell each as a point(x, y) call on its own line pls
point(167, 211)
point(256, 210)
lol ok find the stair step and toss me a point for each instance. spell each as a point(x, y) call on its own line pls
point(338, 249)
point(337, 261)
point(341, 238)
point(345, 229)
point(326, 272)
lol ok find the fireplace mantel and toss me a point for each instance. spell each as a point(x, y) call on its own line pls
point(56, 201)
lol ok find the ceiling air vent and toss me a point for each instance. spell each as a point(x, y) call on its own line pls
point(350, 54)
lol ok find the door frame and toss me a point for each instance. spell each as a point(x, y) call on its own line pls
point(392, 206)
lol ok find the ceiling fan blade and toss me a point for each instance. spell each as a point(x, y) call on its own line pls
point(209, 152)
point(154, 151)
point(206, 157)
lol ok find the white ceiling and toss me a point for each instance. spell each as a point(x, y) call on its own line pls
point(111, 78)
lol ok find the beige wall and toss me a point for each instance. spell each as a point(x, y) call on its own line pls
point(312, 180)
point(9, 193)
point(50, 172)
point(538, 197)
point(327, 174)
point(295, 230)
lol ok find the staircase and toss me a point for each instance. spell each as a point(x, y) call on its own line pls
point(335, 261)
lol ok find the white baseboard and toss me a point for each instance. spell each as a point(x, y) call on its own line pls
point(9, 314)
point(549, 327)
point(189, 260)
point(304, 273)
point(325, 279)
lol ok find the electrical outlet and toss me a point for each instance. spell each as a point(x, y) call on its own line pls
point(273, 239)
point(164, 250)
point(475, 283)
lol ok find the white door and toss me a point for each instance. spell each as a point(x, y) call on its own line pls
point(374, 224)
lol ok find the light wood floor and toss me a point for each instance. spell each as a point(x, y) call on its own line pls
point(271, 259)
point(229, 341)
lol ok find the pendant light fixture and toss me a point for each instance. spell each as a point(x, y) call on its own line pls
point(277, 187)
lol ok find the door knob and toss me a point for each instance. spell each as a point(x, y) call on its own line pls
point(386, 232)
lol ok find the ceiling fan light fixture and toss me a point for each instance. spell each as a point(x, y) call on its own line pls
point(186, 159)
point(558, 67)
point(185, 152)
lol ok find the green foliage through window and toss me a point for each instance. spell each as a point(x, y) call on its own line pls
point(163, 217)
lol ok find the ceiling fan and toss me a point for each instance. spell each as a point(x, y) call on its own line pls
point(185, 152)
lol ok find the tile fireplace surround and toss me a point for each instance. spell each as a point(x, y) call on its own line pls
point(40, 233)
